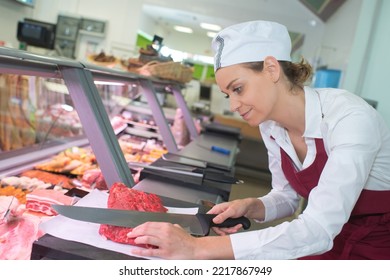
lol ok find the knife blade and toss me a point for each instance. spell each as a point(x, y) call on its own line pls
point(198, 224)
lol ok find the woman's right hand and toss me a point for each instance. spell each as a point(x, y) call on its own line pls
point(248, 207)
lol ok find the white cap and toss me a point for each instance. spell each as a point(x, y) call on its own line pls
point(251, 42)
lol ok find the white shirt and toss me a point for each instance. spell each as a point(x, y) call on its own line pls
point(357, 142)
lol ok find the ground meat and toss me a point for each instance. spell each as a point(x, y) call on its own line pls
point(125, 198)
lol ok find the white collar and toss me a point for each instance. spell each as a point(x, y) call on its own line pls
point(313, 113)
point(313, 117)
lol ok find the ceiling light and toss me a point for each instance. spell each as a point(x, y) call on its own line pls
point(108, 83)
point(182, 29)
point(210, 26)
point(313, 22)
point(211, 34)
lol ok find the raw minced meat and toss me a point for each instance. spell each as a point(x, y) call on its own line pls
point(125, 198)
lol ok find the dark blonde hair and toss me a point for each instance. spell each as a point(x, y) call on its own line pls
point(298, 74)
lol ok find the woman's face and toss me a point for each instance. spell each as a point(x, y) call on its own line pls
point(252, 94)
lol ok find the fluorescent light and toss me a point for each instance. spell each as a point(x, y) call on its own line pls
point(108, 83)
point(211, 34)
point(204, 59)
point(210, 26)
point(182, 29)
point(313, 22)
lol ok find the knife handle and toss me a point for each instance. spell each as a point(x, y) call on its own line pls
point(231, 222)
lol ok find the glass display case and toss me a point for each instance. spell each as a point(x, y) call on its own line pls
point(45, 101)
point(67, 119)
point(37, 120)
point(35, 113)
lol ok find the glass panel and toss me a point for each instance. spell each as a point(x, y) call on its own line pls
point(35, 113)
point(132, 121)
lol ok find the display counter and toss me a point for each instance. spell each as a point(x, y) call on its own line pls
point(81, 85)
point(51, 247)
point(58, 86)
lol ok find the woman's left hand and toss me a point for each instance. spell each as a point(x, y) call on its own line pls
point(167, 241)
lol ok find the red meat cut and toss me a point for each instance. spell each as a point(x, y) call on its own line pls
point(94, 177)
point(125, 198)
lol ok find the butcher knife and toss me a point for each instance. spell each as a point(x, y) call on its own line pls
point(197, 225)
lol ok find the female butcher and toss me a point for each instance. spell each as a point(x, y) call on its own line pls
point(325, 145)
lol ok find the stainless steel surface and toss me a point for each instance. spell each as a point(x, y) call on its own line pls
point(169, 157)
point(200, 149)
point(35, 58)
point(177, 190)
point(184, 170)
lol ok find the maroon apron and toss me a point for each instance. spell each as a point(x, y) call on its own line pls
point(366, 235)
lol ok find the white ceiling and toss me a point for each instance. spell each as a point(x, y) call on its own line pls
point(191, 13)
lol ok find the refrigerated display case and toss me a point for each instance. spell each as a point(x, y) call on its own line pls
point(83, 98)
point(201, 145)
point(51, 106)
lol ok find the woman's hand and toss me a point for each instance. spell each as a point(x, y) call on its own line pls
point(169, 241)
point(173, 242)
point(248, 207)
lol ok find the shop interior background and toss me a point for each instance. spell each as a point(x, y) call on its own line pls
point(353, 40)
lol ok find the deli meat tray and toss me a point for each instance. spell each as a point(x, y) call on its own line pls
point(71, 239)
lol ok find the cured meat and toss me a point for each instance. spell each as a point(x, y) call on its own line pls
point(118, 124)
point(18, 234)
point(40, 200)
point(125, 198)
point(94, 179)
